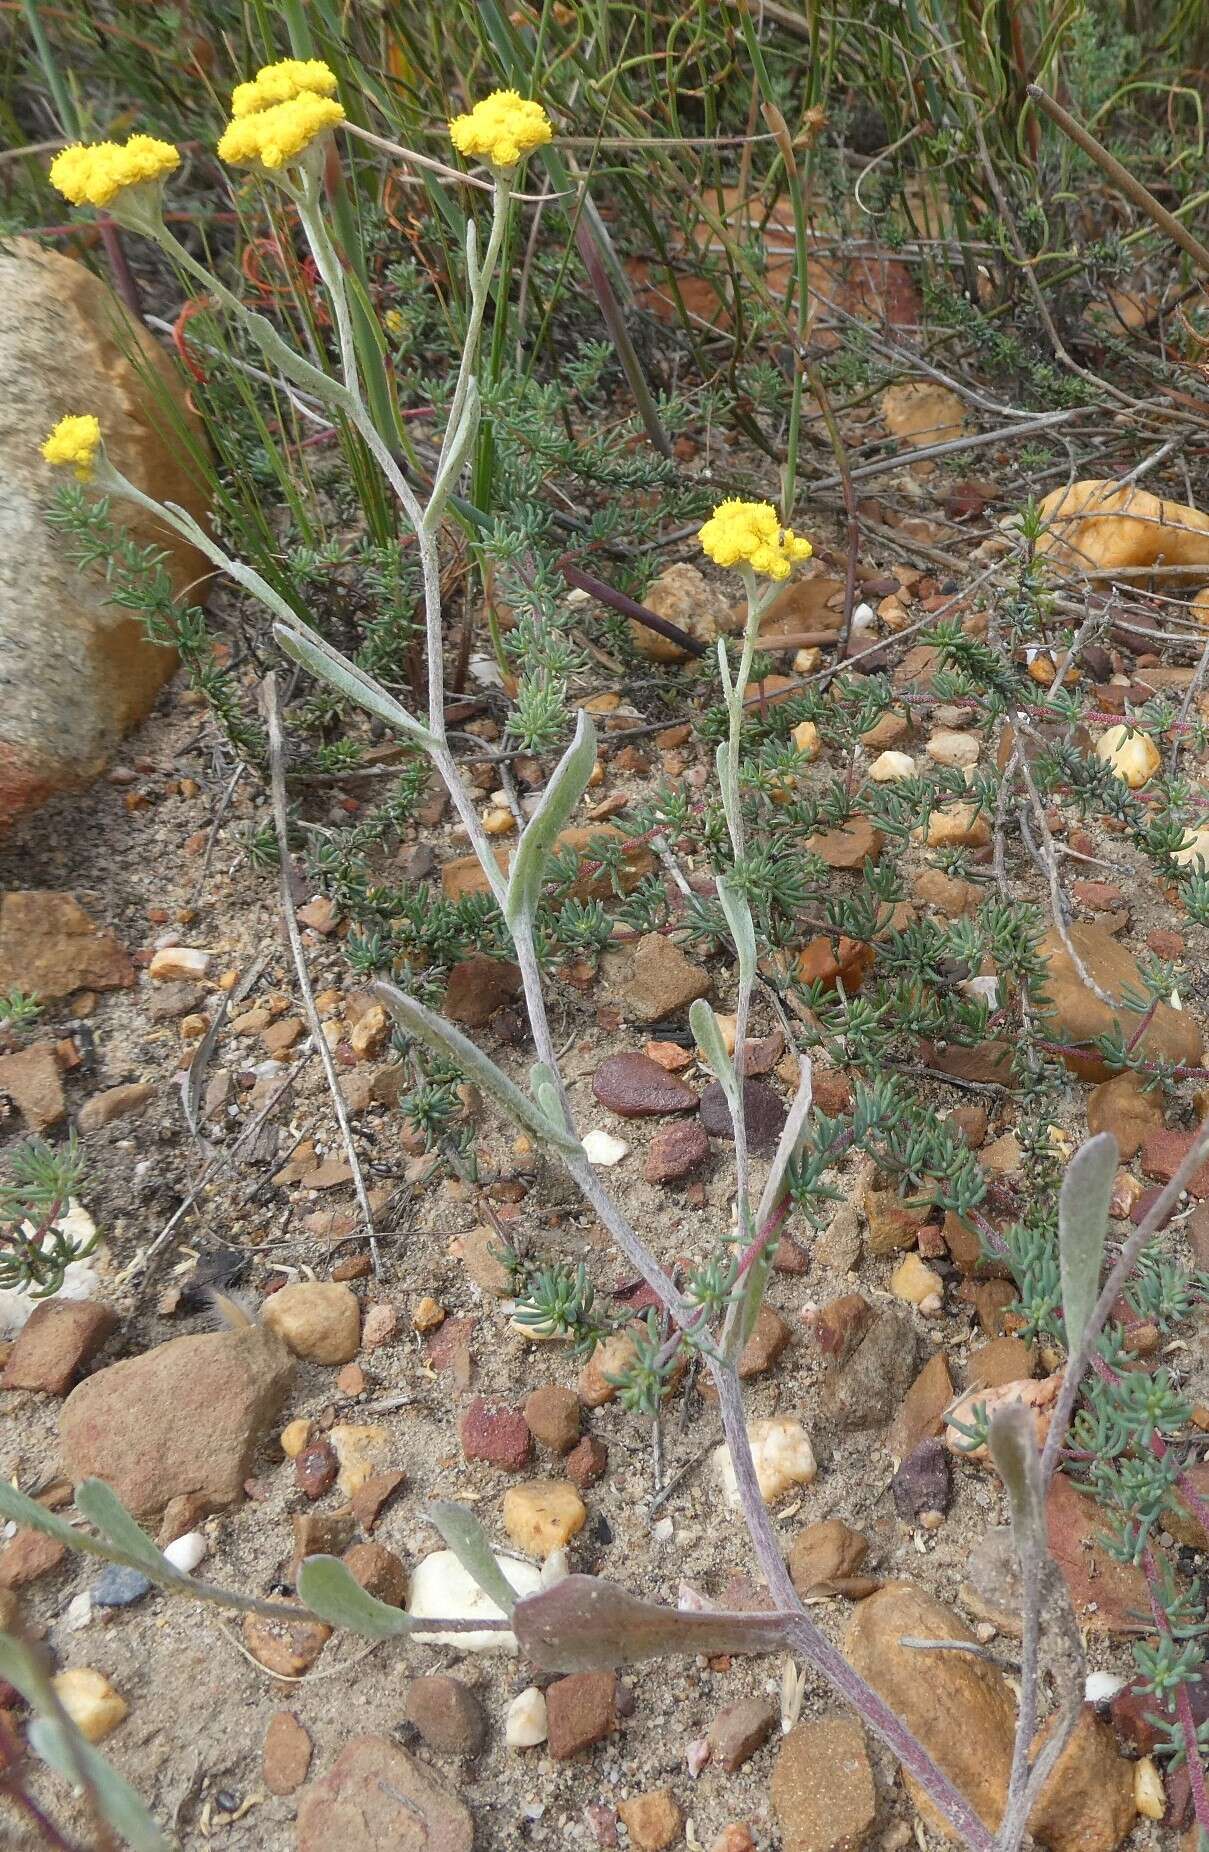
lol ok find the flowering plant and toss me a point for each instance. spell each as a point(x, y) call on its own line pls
point(280, 119)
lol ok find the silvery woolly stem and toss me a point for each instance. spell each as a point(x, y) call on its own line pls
point(331, 273)
point(108, 478)
point(480, 288)
point(735, 692)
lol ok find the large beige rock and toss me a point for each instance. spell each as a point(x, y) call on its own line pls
point(960, 1707)
point(377, 1798)
point(822, 1787)
point(1087, 1805)
point(181, 1421)
point(76, 672)
point(686, 598)
point(1098, 526)
point(1079, 1015)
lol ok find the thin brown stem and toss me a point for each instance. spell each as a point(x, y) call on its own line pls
point(281, 824)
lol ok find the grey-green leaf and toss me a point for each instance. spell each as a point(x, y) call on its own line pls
point(100, 1504)
point(742, 928)
point(1083, 1206)
point(469, 1542)
point(788, 1145)
point(584, 1625)
point(16, 1506)
point(708, 1036)
point(329, 1589)
point(121, 1805)
point(331, 667)
point(565, 787)
point(58, 1742)
point(432, 1029)
point(1012, 1440)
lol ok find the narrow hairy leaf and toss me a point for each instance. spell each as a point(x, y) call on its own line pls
point(583, 1625)
point(707, 1034)
point(742, 928)
point(728, 786)
point(16, 1506)
point(1011, 1437)
point(565, 786)
point(100, 1504)
point(122, 1807)
point(789, 1143)
point(339, 673)
point(329, 1589)
point(433, 1030)
point(459, 447)
point(466, 1537)
point(1083, 1205)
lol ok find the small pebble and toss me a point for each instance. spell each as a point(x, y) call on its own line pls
point(600, 1147)
point(78, 1612)
point(90, 1701)
point(185, 1553)
point(119, 1587)
point(1102, 1687)
point(525, 1723)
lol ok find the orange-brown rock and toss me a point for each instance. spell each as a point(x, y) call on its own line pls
point(79, 670)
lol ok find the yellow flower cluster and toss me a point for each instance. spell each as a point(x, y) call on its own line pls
point(74, 441)
point(94, 176)
point(502, 128)
point(750, 533)
point(275, 136)
point(281, 83)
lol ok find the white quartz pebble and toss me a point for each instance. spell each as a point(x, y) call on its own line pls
point(442, 1590)
point(185, 1553)
point(525, 1724)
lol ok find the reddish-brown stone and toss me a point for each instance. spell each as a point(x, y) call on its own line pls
point(581, 1710)
point(60, 1337)
point(497, 1435)
point(553, 1415)
point(477, 987)
point(1164, 1152)
point(28, 1555)
point(379, 1571)
point(676, 1152)
point(635, 1087)
point(315, 1468)
point(587, 1462)
point(287, 1753)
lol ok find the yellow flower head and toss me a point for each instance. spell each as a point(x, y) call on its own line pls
point(275, 136)
point(75, 441)
point(502, 128)
point(281, 83)
point(94, 176)
point(750, 533)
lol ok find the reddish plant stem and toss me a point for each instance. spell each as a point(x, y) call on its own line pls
point(629, 607)
point(11, 1786)
point(1143, 1067)
point(123, 276)
point(1142, 1027)
point(1183, 1703)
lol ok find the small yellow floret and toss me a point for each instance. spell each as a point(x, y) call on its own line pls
point(502, 128)
point(750, 533)
point(276, 136)
point(75, 441)
point(281, 83)
point(93, 176)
